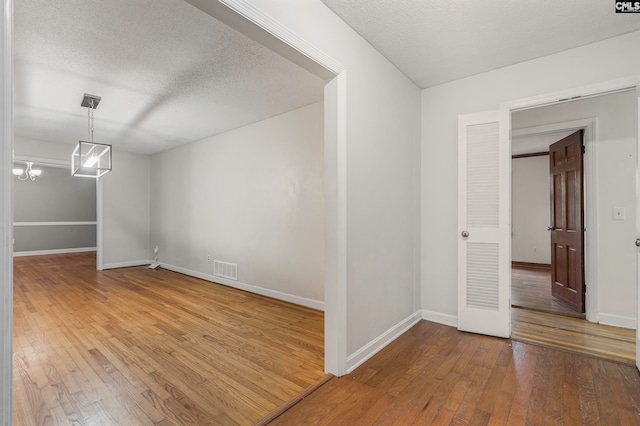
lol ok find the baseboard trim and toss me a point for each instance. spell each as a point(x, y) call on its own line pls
point(54, 251)
point(377, 344)
point(530, 265)
point(126, 264)
point(617, 321)
point(440, 318)
point(274, 294)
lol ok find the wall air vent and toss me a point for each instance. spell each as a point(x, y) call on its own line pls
point(225, 270)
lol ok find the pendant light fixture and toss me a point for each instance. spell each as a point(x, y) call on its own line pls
point(90, 159)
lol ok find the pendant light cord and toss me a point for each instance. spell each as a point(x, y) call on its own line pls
point(90, 120)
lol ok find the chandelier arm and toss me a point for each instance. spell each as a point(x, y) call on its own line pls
point(27, 173)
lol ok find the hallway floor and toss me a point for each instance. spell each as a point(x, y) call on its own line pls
point(531, 289)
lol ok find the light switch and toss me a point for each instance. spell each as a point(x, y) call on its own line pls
point(619, 213)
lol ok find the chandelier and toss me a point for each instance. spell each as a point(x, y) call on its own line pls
point(90, 159)
point(27, 174)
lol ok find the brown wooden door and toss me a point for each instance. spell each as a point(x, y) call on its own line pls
point(567, 220)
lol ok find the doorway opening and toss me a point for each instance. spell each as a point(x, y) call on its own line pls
point(609, 206)
point(55, 213)
point(547, 222)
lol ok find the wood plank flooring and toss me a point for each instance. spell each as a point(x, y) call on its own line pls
point(138, 347)
point(539, 324)
point(573, 334)
point(436, 375)
point(531, 289)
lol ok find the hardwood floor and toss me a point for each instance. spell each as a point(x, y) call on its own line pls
point(548, 321)
point(576, 335)
point(436, 375)
point(137, 346)
point(531, 289)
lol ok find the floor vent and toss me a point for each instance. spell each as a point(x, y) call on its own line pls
point(225, 270)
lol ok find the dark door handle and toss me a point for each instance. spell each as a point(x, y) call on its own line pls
point(551, 228)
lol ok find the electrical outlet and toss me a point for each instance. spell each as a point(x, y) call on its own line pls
point(535, 249)
point(208, 258)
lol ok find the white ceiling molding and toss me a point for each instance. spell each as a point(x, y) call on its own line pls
point(43, 161)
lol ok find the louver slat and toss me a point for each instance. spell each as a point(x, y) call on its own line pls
point(482, 276)
point(482, 176)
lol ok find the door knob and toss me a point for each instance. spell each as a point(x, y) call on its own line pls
point(637, 242)
point(465, 234)
point(551, 228)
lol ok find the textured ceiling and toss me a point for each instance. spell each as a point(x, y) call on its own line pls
point(436, 41)
point(167, 74)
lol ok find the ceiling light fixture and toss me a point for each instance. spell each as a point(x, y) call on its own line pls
point(28, 174)
point(90, 159)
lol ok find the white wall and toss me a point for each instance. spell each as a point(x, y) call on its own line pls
point(441, 105)
point(530, 209)
point(252, 196)
point(125, 200)
point(126, 210)
point(28, 147)
point(383, 149)
point(616, 132)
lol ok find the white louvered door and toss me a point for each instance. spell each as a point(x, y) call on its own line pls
point(484, 230)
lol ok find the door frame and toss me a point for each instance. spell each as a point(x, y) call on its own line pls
point(6, 214)
point(589, 125)
point(582, 92)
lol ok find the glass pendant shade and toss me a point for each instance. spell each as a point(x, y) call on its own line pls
point(91, 159)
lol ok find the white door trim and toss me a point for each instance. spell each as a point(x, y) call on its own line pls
point(252, 22)
point(638, 229)
point(587, 91)
point(591, 196)
point(6, 217)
